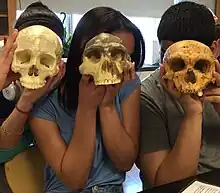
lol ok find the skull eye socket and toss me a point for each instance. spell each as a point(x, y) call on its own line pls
point(177, 64)
point(202, 65)
point(117, 54)
point(94, 55)
point(46, 60)
point(23, 56)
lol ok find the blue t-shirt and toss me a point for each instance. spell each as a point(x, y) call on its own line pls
point(103, 171)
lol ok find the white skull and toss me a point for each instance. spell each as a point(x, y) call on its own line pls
point(104, 58)
point(190, 65)
point(38, 51)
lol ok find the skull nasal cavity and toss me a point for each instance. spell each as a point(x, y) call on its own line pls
point(190, 77)
point(33, 71)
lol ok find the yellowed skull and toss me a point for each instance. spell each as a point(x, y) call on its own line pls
point(38, 51)
point(190, 65)
point(104, 58)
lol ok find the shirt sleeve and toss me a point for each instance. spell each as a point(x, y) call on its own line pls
point(46, 108)
point(154, 136)
point(129, 88)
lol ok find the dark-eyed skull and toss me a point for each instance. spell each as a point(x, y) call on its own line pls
point(36, 56)
point(190, 65)
point(104, 58)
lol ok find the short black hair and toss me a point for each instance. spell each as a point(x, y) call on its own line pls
point(187, 21)
point(217, 31)
point(39, 14)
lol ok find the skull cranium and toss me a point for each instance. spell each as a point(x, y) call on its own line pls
point(104, 58)
point(38, 51)
point(190, 65)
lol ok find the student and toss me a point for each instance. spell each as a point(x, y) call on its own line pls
point(89, 134)
point(14, 135)
point(179, 136)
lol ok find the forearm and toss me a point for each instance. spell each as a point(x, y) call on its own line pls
point(119, 145)
point(182, 161)
point(12, 128)
point(78, 158)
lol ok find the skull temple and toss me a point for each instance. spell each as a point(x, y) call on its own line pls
point(104, 58)
point(38, 51)
point(190, 65)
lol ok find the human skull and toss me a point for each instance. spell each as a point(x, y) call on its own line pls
point(104, 58)
point(190, 65)
point(36, 57)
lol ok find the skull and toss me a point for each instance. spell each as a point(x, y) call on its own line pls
point(104, 58)
point(190, 65)
point(38, 51)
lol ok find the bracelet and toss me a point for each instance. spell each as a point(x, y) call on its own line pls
point(10, 134)
point(20, 111)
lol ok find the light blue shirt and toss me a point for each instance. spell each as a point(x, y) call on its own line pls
point(103, 171)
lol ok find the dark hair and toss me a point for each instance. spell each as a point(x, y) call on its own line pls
point(187, 21)
point(217, 31)
point(39, 14)
point(94, 22)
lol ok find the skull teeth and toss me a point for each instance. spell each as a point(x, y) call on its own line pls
point(107, 82)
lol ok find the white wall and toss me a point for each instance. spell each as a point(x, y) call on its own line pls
point(209, 3)
point(141, 8)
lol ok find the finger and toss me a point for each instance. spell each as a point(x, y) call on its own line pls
point(132, 72)
point(86, 78)
point(162, 70)
point(217, 78)
point(9, 44)
point(211, 92)
point(63, 69)
point(217, 66)
point(212, 99)
point(9, 59)
point(49, 82)
point(126, 73)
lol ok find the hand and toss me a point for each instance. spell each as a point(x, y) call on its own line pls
point(111, 91)
point(193, 105)
point(6, 75)
point(29, 96)
point(90, 95)
point(212, 95)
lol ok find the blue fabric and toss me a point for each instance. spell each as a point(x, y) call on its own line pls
point(103, 171)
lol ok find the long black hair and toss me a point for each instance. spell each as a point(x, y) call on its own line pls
point(94, 22)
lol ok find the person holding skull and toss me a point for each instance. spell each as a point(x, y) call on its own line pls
point(92, 130)
point(180, 132)
point(15, 134)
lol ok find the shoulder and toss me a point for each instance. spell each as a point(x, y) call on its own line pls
point(152, 91)
point(129, 88)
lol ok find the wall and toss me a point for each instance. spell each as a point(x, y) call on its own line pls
point(142, 8)
point(209, 3)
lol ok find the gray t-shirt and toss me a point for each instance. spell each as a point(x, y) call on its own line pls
point(161, 116)
point(103, 171)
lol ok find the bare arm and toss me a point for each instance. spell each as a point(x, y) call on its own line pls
point(71, 163)
point(182, 161)
point(121, 140)
point(11, 131)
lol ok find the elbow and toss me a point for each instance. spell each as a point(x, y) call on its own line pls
point(124, 166)
point(73, 180)
point(77, 187)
